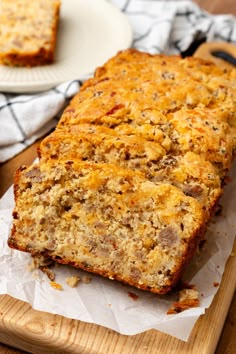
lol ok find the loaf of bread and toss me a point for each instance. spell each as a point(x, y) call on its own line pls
point(28, 31)
point(127, 182)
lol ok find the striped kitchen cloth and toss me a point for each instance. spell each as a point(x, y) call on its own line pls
point(170, 27)
point(17, 128)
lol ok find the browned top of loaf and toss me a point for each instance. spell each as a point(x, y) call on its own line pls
point(183, 104)
point(172, 118)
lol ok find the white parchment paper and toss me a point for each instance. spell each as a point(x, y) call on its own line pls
point(106, 302)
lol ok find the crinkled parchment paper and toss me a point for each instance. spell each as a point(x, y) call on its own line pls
point(107, 302)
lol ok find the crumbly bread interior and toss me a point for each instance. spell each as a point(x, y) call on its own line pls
point(195, 176)
point(116, 223)
point(28, 31)
point(127, 182)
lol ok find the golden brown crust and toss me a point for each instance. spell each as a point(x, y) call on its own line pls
point(27, 40)
point(130, 177)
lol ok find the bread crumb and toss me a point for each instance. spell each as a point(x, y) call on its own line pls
point(72, 281)
point(188, 294)
point(133, 296)
point(56, 286)
point(42, 263)
point(38, 262)
point(216, 284)
point(86, 279)
point(187, 298)
point(50, 274)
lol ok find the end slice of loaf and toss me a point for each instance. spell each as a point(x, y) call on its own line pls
point(28, 31)
point(106, 220)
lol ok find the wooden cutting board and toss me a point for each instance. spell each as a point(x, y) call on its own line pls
point(40, 332)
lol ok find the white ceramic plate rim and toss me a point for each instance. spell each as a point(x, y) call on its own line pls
point(90, 32)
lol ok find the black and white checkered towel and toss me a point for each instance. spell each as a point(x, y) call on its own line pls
point(158, 27)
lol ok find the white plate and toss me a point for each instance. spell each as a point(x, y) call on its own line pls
point(90, 32)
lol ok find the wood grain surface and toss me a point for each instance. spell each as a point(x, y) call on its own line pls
point(38, 332)
point(218, 6)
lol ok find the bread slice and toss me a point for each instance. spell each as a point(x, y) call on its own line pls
point(190, 172)
point(127, 182)
point(107, 220)
point(28, 31)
